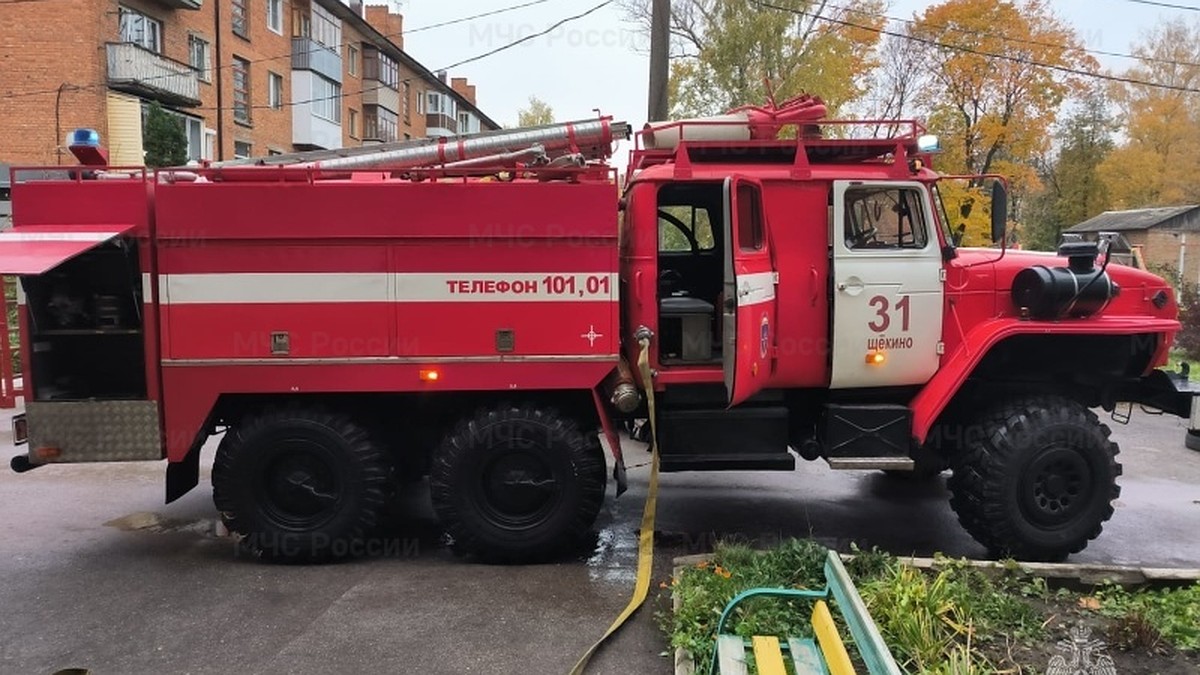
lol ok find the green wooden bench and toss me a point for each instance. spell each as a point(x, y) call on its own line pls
point(824, 654)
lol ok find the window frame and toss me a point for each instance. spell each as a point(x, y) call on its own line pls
point(140, 17)
point(249, 149)
point(911, 196)
point(274, 90)
point(275, 16)
point(353, 54)
point(242, 101)
point(326, 103)
point(352, 124)
point(239, 23)
point(204, 70)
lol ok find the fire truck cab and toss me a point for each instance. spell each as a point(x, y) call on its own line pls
point(470, 310)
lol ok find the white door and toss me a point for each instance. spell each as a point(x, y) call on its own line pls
point(887, 295)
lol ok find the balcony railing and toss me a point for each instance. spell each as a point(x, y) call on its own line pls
point(308, 54)
point(138, 70)
point(181, 4)
point(440, 121)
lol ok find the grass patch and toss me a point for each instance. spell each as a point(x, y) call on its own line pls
point(955, 619)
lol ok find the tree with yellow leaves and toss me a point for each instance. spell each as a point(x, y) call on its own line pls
point(1159, 162)
point(993, 92)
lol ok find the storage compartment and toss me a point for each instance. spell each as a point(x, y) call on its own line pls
point(686, 325)
point(85, 324)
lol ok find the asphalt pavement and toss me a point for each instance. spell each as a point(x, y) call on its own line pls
point(99, 574)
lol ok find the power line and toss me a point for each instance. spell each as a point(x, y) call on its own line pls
point(1167, 5)
point(977, 52)
point(482, 15)
point(1025, 41)
point(472, 59)
point(317, 47)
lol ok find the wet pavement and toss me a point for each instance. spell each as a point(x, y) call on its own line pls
point(100, 574)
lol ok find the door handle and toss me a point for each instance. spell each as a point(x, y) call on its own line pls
point(851, 286)
point(813, 278)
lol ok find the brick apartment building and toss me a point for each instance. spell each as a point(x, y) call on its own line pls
point(247, 77)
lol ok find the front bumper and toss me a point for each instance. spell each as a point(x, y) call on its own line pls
point(1169, 392)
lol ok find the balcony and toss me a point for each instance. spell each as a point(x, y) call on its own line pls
point(380, 94)
point(437, 124)
point(308, 54)
point(141, 72)
point(181, 4)
point(309, 129)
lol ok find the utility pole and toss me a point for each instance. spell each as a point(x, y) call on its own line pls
point(660, 42)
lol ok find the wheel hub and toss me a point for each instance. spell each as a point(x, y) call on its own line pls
point(518, 488)
point(1056, 486)
point(301, 488)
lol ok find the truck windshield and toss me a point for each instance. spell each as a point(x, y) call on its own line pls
point(943, 217)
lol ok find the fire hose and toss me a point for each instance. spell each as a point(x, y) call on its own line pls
point(645, 568)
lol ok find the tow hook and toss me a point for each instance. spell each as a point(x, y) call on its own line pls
point(21, 464)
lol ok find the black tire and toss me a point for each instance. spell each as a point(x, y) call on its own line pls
point(300, 485)
point(1036, 478)
point(1192, 440)
point(517, 484)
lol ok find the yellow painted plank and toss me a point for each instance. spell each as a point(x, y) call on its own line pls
point(836, 657)
point(768, 656)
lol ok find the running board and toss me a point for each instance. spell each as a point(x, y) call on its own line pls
point(858, 463)
point(775, 461)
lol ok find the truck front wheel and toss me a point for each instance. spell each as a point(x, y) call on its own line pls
point(517, 483)
point(1035, 478)
point(300, 485)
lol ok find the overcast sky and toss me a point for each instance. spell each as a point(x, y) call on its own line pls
point(599, 61)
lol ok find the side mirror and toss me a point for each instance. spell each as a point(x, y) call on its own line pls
point(999, 211)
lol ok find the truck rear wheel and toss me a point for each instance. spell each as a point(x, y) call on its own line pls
point(300, 485)
point(1035, 479)
point(517, 484)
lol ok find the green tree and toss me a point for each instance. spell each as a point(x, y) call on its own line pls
point(1073, 190)
point(723, 51)
point(164, 137)
point(537, 113)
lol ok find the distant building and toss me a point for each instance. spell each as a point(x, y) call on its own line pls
point(255, 78)
point(1167, 236)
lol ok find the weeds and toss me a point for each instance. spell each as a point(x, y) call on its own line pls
point(1172, 614)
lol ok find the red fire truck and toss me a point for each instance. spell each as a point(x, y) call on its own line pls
point(468, 309)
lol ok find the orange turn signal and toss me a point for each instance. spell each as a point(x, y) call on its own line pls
point(429, 375)
point(876, 358)
point(48, 452)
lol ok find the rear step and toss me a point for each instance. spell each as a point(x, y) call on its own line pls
point(858, 463)
point(749, 438)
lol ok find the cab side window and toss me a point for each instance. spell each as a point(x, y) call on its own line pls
point(680, 226)
point(885, 218)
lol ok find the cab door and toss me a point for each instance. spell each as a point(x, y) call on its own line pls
point(887, 278)
point(749, 292)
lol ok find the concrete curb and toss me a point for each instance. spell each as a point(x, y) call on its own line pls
point(1088, 574)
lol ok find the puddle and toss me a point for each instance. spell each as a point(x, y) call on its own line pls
point(147, 521)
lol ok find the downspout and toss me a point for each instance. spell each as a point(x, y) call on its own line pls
point(217, 71)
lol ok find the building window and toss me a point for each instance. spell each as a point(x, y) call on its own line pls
point(381, 67)
point(241, 19)
point(352, 59)
point(241, 150)
point(141, 30)
point(353, 123)
point(326, 99)
point(274, 16)
point(272, 152)
point(464, 123)
point(439, 104)
point(241, 90)
point(275, 90)
point(379, 124)
point(210, 144)
point(326, 29)
point(406, 104)
point(200, 57)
